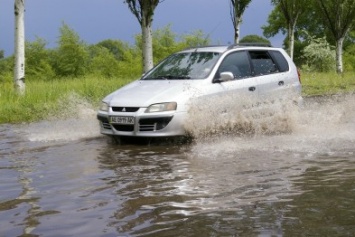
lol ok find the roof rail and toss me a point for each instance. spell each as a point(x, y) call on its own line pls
point(249, 44)
point(204, 46)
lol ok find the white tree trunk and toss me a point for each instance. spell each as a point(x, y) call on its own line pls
point(147, 47)
point(237, 21)
point(339, 55)
point(291, 39)
point(19, 70)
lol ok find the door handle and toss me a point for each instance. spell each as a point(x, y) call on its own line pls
point(281, 83)
point(252, 88)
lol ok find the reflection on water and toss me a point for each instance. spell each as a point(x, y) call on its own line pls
point(60, 181)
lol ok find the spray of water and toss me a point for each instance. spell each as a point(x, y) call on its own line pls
point(240, 116)
point(76, 120)
point(246, 155)
point(321, 124)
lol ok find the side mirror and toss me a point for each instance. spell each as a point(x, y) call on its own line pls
point(226, 76)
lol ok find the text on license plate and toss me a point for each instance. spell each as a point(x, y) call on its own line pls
point(122, 119)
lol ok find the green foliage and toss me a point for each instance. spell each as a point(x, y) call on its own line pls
point(109, 58)
point(254, 39)
point(102, 62)
point(6, 71)
point(349, 58)
point(116, 47)
point(164, 43)
point(131, 65)
point(71, 56)
point(38, 61)
point(319, 55)
point(195, 39)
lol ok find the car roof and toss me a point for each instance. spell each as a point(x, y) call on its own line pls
point(223, 48)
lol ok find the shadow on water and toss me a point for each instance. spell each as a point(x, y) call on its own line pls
point(61, 178)
point(144, 141)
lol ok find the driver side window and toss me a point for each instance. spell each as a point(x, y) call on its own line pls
point(236, 63)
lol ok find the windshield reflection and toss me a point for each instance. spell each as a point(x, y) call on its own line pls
point(188, 65)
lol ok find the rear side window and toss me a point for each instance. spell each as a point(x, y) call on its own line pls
point(262, 63)
point(280, 60)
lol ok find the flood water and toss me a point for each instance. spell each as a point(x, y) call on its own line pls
point(62, 178)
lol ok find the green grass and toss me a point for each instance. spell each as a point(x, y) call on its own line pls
point(45, 99)
point(327, 83)
point(58, 98)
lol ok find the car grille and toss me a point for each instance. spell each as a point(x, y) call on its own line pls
point(153, 124)
point(145, 125)
point(125, 109)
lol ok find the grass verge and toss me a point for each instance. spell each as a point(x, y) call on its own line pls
point(44, 99)
point(314, 84)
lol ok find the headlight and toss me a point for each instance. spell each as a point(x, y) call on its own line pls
point(104, 106)
point(169, 106)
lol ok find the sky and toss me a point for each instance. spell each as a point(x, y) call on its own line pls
point(97, 20)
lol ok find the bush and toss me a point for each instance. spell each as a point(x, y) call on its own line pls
point(319, 55)
point(349, 58)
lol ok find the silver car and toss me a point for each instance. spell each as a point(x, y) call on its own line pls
point(157, 105)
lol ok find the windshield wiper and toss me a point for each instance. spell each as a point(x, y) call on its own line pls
point(172, 77)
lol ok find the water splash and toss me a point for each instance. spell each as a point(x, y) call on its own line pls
point(321, 125)
point(240, 116)
point(76, 120)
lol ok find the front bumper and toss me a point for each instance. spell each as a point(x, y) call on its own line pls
point(163, 124)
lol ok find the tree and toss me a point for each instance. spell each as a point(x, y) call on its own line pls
point(144, 12)
point(38, 60)
point(116, 47)
point(103, 62)
point(237, 10)
point(308, 22)
point(71, 55)
point(19, 71)
point(291, 10)
point(254, 39)
point(339, 17)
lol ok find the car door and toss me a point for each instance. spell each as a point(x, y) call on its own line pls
point(242, 84)
point(270, 77)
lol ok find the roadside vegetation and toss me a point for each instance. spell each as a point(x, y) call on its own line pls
point(75, 72)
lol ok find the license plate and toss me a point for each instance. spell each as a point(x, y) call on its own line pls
point(122, 119)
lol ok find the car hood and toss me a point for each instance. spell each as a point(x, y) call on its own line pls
point(142, 93)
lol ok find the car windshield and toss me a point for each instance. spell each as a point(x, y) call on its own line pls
point(187, 65)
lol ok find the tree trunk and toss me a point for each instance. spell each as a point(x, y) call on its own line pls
point(19, 70)
point(291, 39)
point(147, 40)
point(237, 22)
point(339, 55)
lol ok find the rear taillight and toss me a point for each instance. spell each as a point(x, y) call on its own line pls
point(299, 75)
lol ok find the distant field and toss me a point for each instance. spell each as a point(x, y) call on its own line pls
point(60, 98)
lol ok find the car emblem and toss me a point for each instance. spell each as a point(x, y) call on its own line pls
point(124, 110)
